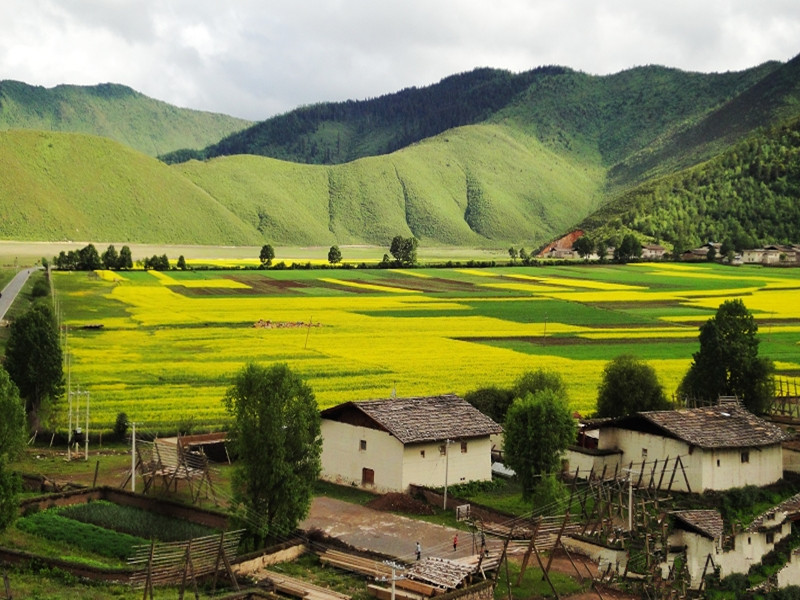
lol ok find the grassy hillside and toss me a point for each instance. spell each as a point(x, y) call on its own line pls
point(114, 111)
point(60, 186)
point(475, 185)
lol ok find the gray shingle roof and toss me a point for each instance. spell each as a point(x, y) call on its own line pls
point(421, 419)
point(726, 426)
point(705, 522)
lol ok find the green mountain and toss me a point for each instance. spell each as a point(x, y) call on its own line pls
point(114, 111)
point(485, 158)
point(66, 186)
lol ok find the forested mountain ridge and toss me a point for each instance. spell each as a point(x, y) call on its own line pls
point(114, 111)
point(747, 196)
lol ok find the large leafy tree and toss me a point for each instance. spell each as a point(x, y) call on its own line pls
point(628, 386)
point(275, 435)
point(334, 255)
point(34, 360)
point(727, 363)
point(267, 255)
point(125, 259)
point(12, 425)
point(538, 428)
point(404, 250)
point(494, 401)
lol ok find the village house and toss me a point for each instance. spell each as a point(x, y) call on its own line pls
point(387, 445)
point(699, 536)
point(653, 251)
point(692, 449)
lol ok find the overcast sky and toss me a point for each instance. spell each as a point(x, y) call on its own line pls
point(257, 58)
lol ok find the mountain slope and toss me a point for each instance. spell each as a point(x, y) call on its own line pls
point(114, 111)
point(63, 186)
point(470, 186)
point(747, 196)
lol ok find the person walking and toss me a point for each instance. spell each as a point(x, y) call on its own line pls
point(419, 551)
point(455, 542)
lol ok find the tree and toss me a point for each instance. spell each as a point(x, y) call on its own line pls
point(531, 382)
point(334, 255)
point(628, 386)
point(727, 363)
point(275, 435)
point(182, 263)
point(89, 259)
point(512, 253)
point(523, 256)
point(491, 401)
point(110, 258)
point(11, 442)
point(583, 246)
point(267, 255)
point(33, 360)
point(538, 428)
point(125, 260)
point(404, 250)
point(628, 249)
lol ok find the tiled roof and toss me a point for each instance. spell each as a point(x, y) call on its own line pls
point(790, 506)
point(726, 426)
point(706, 522)
point(423, 419)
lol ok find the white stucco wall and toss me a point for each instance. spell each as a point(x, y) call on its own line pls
point(343, 461)
point(395, 467)
point(748, 549)
point(715, 469)
point(473, 465)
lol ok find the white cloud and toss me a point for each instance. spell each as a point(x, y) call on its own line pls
point(253, 58)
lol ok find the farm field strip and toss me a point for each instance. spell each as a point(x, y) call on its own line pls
point(166, 356)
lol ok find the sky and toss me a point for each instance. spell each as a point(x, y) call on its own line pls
point(257, 58)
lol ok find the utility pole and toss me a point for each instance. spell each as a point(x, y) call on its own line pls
point(395, 577)
point(86, 437)
point(133, 457)
point(446, 469)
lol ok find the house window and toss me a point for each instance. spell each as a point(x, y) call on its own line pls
point(770, 538)
point(442, 449)
point(463, 447)
point(422, 453)
point(644, 452)
point(717, 462)
point(748, 540)
point(746, 456)
point(362, 445)
point(367, 476)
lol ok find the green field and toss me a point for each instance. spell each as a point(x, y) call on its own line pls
point(170, 342)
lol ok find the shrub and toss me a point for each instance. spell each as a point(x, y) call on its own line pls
point(121, 426)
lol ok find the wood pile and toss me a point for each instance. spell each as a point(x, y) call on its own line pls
point(354, 563)
point(295, 587)
point(439, 572)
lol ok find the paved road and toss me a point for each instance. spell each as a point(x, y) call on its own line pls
point(12, 289)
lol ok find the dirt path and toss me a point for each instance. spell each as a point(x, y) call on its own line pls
point(383, 532)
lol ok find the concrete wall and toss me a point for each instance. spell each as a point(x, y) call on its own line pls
point(602, 555)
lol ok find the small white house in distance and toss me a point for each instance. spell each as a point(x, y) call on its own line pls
point(699, 534)
point(694, 449)
point(387, 445)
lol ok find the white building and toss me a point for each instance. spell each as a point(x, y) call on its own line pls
point(697, 449)
point(387, 445)
point(699, 534)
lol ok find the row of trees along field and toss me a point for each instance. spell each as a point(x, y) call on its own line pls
point(747, 197)
point(88, 259)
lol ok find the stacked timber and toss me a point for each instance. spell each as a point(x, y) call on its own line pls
point(354, 563)
point(295, 587)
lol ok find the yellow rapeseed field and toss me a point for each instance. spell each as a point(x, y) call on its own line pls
point(171, 342)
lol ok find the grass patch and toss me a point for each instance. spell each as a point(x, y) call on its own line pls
point(135, 521)
point(51, 525)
